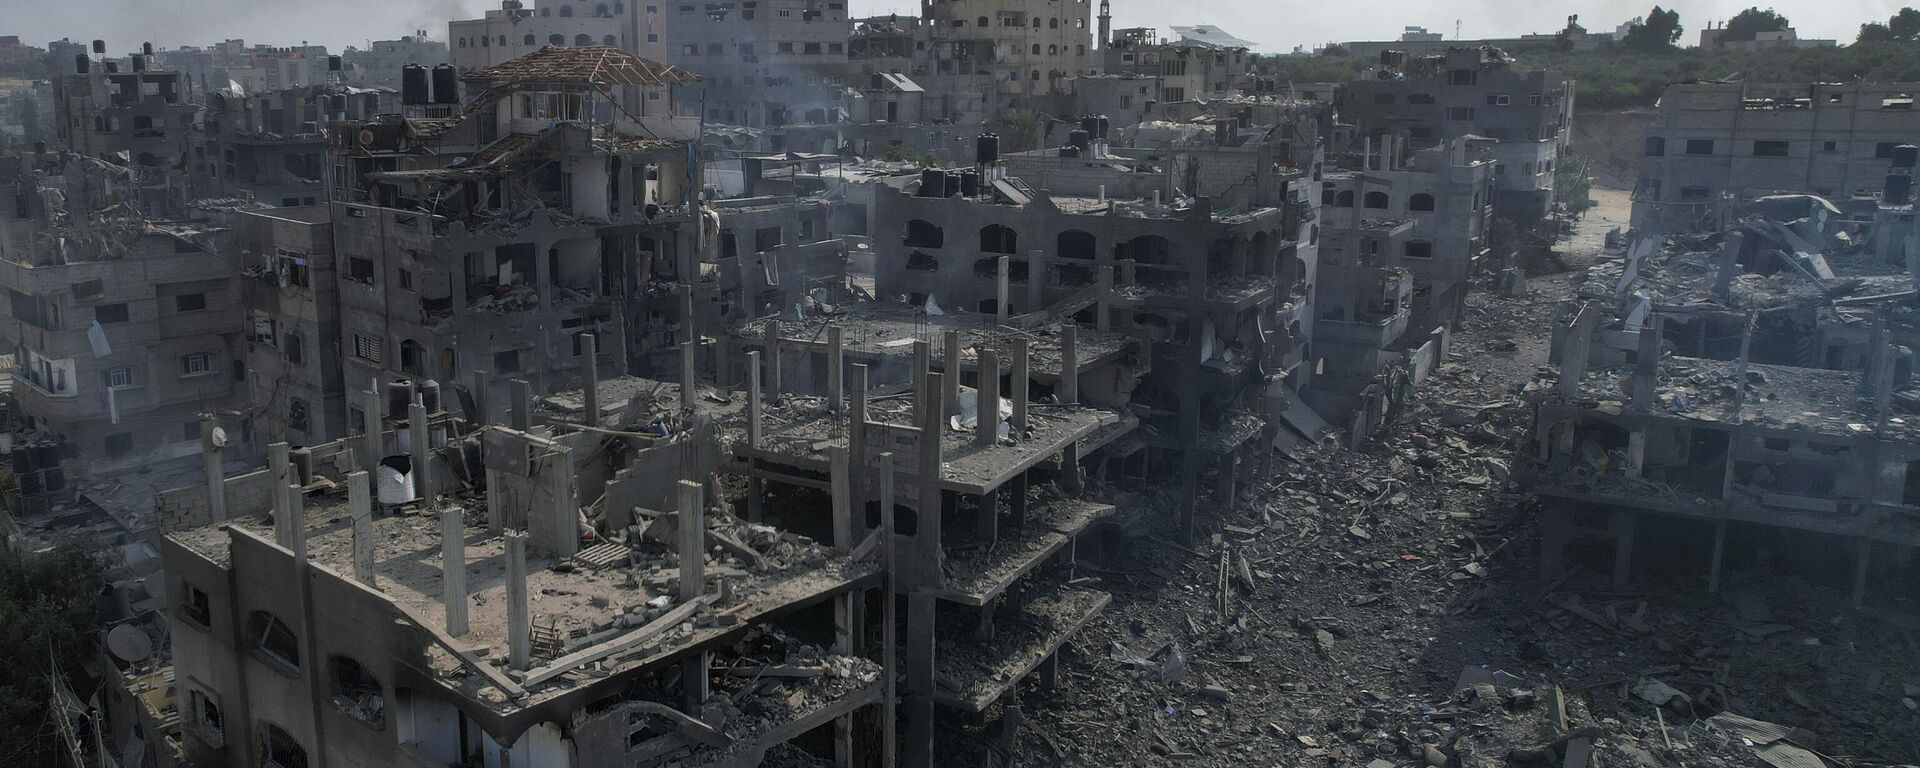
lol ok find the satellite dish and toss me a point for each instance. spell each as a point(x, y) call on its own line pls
point(129, 644)
point(219, 437)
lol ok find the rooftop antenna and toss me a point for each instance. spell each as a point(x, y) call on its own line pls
point(1456, 29)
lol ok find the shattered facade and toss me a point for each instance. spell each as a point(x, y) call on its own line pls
point(1472, 92)
point(538, 217)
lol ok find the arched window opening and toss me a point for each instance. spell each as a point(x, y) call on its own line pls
point(1420, 202)
point(923, 234)
point(995, 238)
point(922, 262)
point(355, 690)
point(278, 749)
point(1377, 200)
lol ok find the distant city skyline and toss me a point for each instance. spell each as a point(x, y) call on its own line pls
point(341, 23)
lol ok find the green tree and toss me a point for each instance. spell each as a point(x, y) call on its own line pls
point(1874, 32)
point(48, 601)
point(1748, 24)
point(1903, 27)
point(1334, 51)
point(1657, 33)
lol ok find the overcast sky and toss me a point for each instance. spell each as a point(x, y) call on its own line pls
point(1276, 26)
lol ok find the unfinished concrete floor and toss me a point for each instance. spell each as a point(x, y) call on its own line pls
point(1372, 578)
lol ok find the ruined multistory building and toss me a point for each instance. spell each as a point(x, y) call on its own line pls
point(1185, 70)
point(492, 240)
point(517, 29)
point(1718, 395)
point(1400, 243)
point(1216, 285)
point(269, 146)
point(1472, 92)
point(1711, 142)
point(1027, 48)
point(289, 295)
point(123, 333)
point(135, 117)
point(771, 64)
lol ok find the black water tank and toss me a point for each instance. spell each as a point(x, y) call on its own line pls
point(1078, 138)
point(100, 46)
point(430, 395)
point(953, 184)
point(1906, 156)
point(879, 81)
point(446, 84)
point(337, 103)
point(146, 48)
point(139, 63)
point(1899, 189)
point(112, 67)
point(1090, 124)
point(333, 63)
point(1106, 128)
point(986, 148)
point(413, 85)
point(933, 182)
point(82, 64)
point(969, 183)
point(1069, 151)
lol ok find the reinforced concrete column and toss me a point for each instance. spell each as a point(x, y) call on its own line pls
point(360, 506)
point(519, 631)
point(453, 569)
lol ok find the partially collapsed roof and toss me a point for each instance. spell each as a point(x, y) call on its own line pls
point(600, 66)
point(1213, 36)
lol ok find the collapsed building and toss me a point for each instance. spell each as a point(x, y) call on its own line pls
point(1720, 394)
point(269, 146)
point(1215, 288)
point(498, 238)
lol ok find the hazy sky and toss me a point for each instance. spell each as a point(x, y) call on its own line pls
point(1277, 26)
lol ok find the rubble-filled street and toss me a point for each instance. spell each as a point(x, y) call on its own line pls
point(1329, 621)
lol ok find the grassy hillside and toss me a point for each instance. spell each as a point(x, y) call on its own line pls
point(1615, 79)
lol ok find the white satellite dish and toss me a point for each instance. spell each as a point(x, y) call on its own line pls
point(219, 437)
point(129, 644)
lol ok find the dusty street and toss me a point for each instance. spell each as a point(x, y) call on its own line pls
point(1325, 621)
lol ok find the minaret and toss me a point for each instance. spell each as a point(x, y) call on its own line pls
point(1106, 24)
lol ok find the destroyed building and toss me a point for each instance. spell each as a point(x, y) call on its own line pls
point(269, 146)
point(492, 240)
point(1026, 48)
point(1185, 69)
point(1467, 93)
point(1730, 392)
point(123, 336)
point(1713, 141)
point(289, 293)
point(1215, 289)
point(1401, 243)
point(138, 119)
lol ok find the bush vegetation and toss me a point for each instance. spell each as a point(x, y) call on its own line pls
point(1626, 76)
